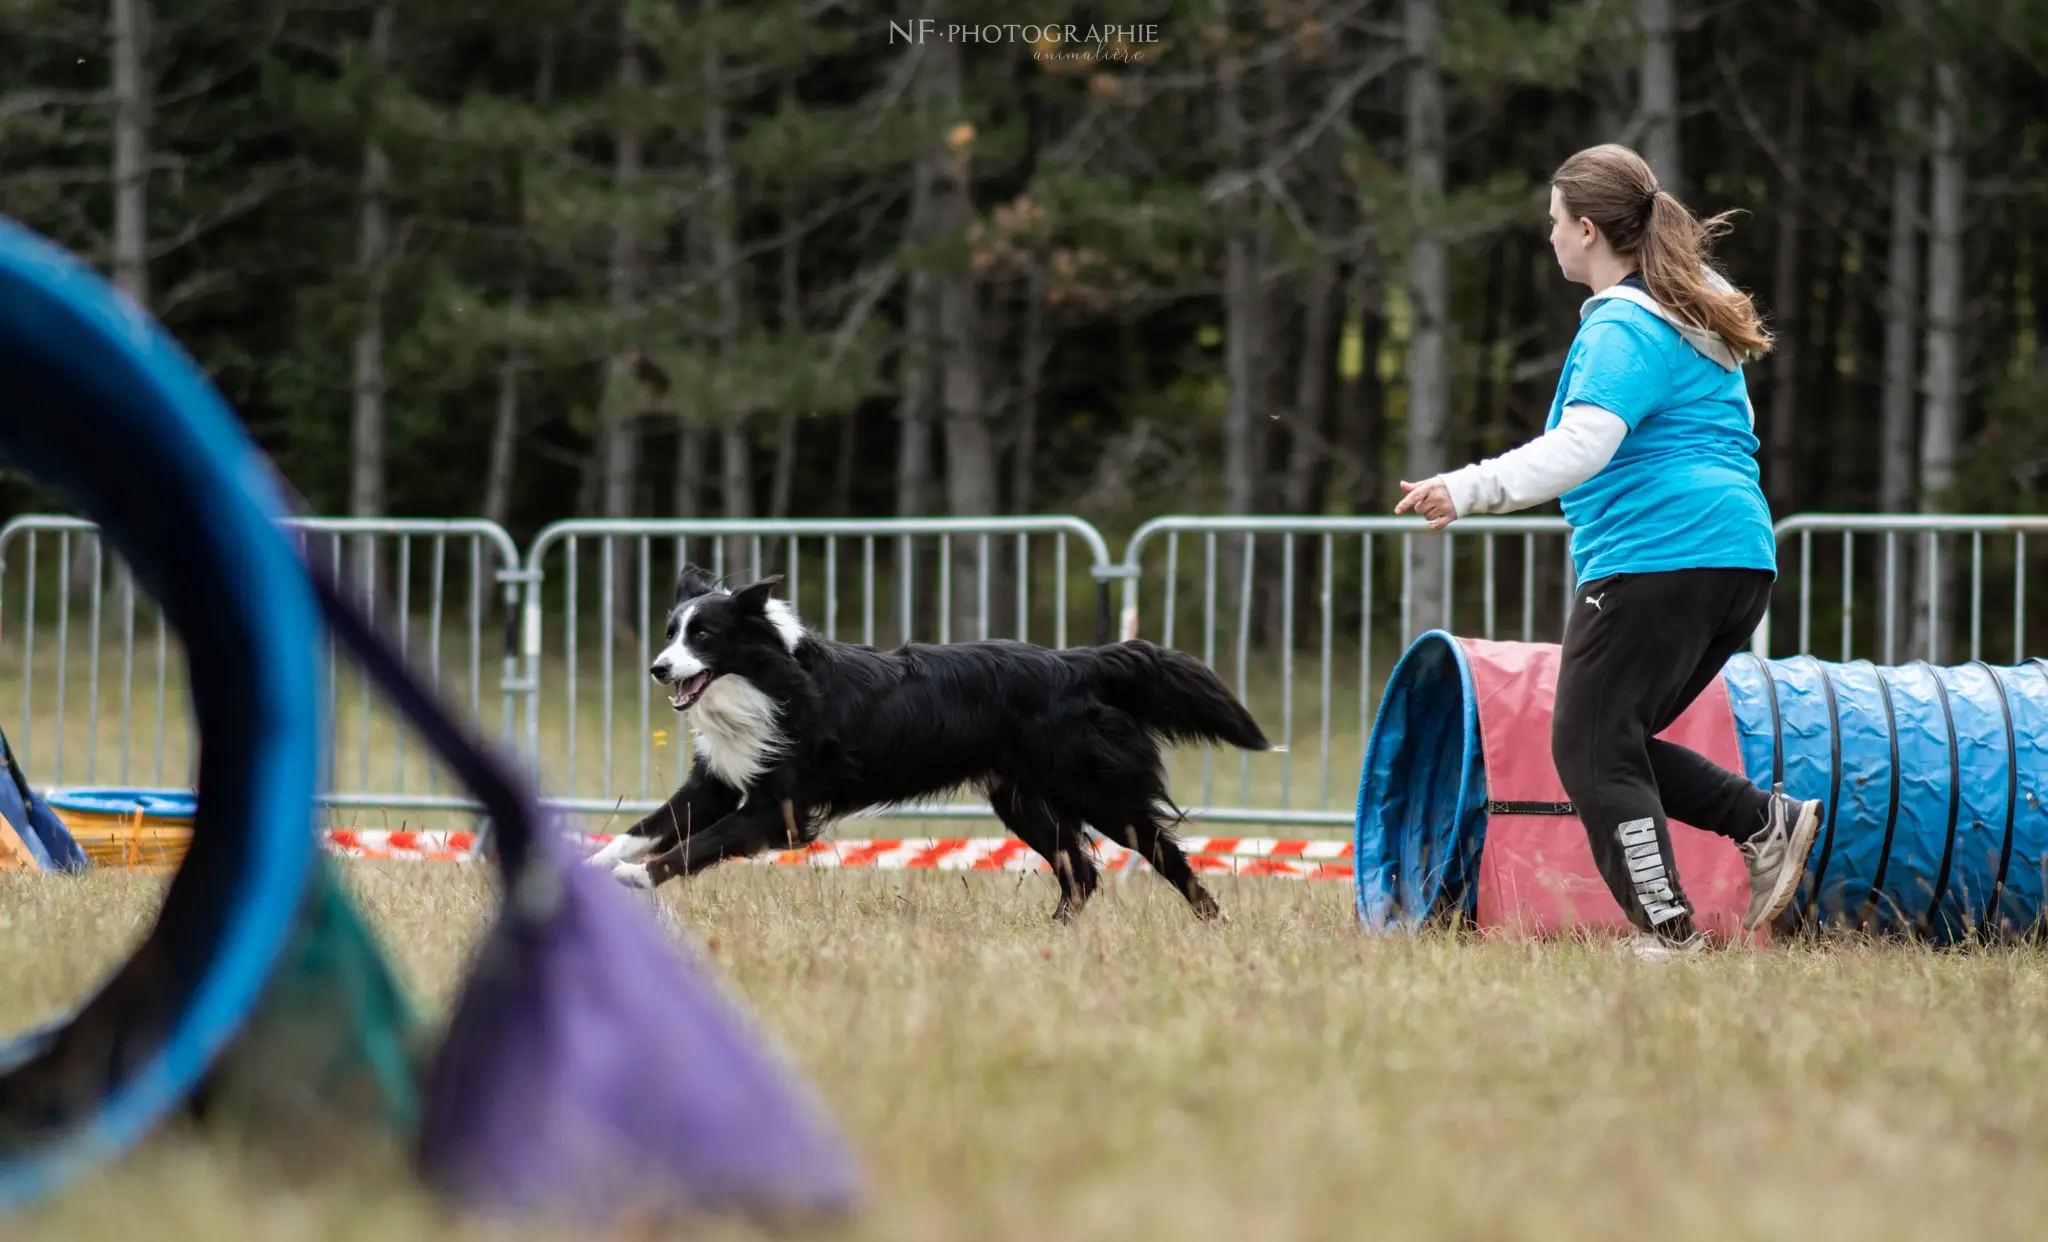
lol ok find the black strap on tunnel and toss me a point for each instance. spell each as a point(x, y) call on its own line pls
point(2012, 794)
point(1827, 838)
point(1777, 726)
point(1891, 811)
point(1531, 808)
point(1955, 799)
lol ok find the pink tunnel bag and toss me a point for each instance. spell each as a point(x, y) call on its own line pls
point(1536, 872)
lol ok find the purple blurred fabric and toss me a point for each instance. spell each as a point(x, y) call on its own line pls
point(589, 1069)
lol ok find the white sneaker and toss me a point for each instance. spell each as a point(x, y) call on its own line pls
point(1777, 857)
point(1651, 947)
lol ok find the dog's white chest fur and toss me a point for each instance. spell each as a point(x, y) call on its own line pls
point(737, 730)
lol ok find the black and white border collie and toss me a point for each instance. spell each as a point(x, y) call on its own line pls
point(795, 730)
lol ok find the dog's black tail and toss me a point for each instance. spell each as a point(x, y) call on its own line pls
point(1174, 694)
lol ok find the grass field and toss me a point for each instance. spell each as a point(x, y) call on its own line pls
point(1136, 1075)
point(1279, 1077)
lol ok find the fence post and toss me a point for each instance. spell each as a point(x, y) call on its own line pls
point(1106, 628)
point(519, 586)
point(532, 576)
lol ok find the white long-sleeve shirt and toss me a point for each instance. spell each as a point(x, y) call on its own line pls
point(1579, 447)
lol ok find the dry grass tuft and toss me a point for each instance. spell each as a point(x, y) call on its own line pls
point(1139, 1075)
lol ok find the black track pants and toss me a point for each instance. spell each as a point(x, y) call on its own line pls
point(1638, 649)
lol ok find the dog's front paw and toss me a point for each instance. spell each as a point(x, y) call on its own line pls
point(624, 848)
point(633, 875)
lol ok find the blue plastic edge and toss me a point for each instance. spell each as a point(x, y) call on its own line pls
point(123, 801)
point(204, 449)
point(1375, 860)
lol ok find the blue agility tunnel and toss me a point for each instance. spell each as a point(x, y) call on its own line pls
point(105, 409)
point(1934, 783)
point(1422, 805)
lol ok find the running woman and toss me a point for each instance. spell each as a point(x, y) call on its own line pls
point(1651, 444)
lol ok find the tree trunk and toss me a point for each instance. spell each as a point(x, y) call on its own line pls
point(913, 407)
point(736, 482)
point(1902, 313)
point(618, 432)
point(133, 109)
point(586, 481)
point(1478, 433)
point(505, 425)
point(1942, 385)
point(692, 433)
point(1275, 359)
point(1528, 399)
point(914, 362)
point(133, 92)
point(1309, 425)
point(689, 498)
point(1658, 92)
point(736, 486)
point(1428, 300)
point(1308, 432)
point(1241, 317)
point(842, 466)
point(1831, 474)
point(971, 475)
point(1277, 350)
point(1788, 305)
point(366, 481)
point(1610, 107)
point(1243, 330)
point(783, 480)
point(1037, 347)
point(1365, 398)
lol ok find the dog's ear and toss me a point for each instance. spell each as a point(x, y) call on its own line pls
point(756, 595)
point(693, 582)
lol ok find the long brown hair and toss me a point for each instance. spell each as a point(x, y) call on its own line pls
point(1614, 188)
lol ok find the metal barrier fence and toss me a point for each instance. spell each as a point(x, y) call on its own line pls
point(1294, 613)
point(433, 585)
point(1886, 586)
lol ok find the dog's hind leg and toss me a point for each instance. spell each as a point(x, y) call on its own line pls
point(1110, 776)
point(1056, 838)
point(1158, 846)
point(1145, 830)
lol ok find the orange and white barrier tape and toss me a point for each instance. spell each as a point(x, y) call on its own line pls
point(406, 846)
point(1321, 860)
point(1255, 856)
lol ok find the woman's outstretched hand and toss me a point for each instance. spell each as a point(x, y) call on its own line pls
point(1430, 499)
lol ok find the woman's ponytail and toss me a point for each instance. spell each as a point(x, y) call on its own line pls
point(1613, 187)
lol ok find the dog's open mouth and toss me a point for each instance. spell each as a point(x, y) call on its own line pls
point(683, 693)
